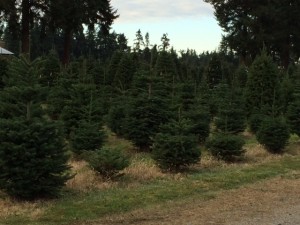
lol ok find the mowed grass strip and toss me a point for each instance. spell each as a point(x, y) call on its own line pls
point(202, 184)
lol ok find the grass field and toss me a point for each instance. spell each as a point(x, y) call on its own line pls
point(87, 197)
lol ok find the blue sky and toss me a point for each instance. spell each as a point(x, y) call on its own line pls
point(189, 23)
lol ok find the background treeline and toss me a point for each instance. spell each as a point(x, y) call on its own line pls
point(167, 103)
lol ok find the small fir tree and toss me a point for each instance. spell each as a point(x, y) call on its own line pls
point(33, 159)
point(108, 162)
point(175, 146)
point(145, 115)
point(226, 147)
point(83, 104)
point(124, 75)
point(87, 137)
point(200, 118)
point(231, 116)
point(148, 108)
point(273, 134)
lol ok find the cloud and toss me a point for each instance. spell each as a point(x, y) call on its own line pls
point(156, 10)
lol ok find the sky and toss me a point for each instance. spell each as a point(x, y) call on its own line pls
point(190, 24)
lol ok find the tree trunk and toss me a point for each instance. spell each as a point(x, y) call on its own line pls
point(67, 46)
point(25, 32)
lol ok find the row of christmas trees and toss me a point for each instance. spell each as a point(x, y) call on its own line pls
point(162, 103)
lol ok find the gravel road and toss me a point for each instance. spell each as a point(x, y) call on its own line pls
point(270, 202)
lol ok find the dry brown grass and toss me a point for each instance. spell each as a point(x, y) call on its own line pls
point(143, 170)
point(208, 161)
point(86, 179)
point(10, 207)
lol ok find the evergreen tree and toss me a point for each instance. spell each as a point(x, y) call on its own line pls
point(108, 162)
point(226, 147)
point(200, 118)
point(231, 116)
point(22, 95)
point(51, 69)
point(250, 25)
point(273, 134)
point(116, 118)
point(87, 136)
point(70, 16)
point(3, 71)
point(138, 41)
point(175, 146)
point(145, 115)
point(33, 159)
point(123, 43)
point(241, 76)
point(262, 89)
point(124, 74)
point(113, 67)
point(165, 42)
point(293, 111)
point(148, 108)
point(83, 104)
point(214, 73)
point(293, 117)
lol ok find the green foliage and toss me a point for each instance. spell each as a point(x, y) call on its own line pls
point(22, 95)
point(124, 74)
point(270, 22)
point(87, 137)
point(293, 117)
point(83, 104)
point(227, 147)
point(187, 96)
point(33, 161)
point(293, 112)
point(200, 119)
point(231, 119)
point(116, 117)
point(165, 66)
point(108, 162)
point(214, 73)
point(144, 117)
point(287, 87)
point(175, 146)
point(273, 134)
point(58, 97)
point(241, 76)
point(113, 67)
point(255, 122)
point(3, 71)
point(231, 116)
point(262, 89)
point(51, 69)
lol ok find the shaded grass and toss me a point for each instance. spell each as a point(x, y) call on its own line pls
point(75, 208)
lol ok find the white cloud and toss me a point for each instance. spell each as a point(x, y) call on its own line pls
point(157, 10)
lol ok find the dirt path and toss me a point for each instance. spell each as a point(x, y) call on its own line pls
point(271, 202)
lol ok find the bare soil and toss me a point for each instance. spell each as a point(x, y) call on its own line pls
point(269, 202)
